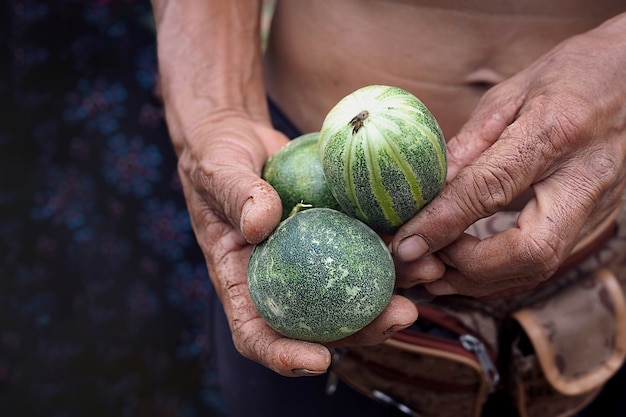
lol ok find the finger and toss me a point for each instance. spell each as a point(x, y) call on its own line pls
point(490, 183)
point(479, 190)
point(239, 197)
point(427, 269)
point(566, 208)
point(260, 212)
point(255, 340)
point(497, 109)
point(509, 259)
point(229, 182)
point(466, 273)
point(399, 314)
point(453, 279)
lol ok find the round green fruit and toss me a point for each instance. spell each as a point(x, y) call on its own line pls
point(383, 155)
point(296, 174)
point(320, 276)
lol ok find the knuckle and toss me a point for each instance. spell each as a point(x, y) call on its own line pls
point(557, 123)
point(249, 343)
point(604, 168)
point(544, 254)
point(249, 346)
point(596, 176)
point(221, 188)
point(206, 174)
point(491, 189)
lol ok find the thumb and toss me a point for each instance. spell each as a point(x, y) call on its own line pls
point(459, 204)
point(260, 212)
point(261, 209)
point(239, 194)
point(221, 179)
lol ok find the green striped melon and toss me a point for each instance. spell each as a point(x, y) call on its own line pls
point(295, 172)
point(320, 276)
point(383, 155)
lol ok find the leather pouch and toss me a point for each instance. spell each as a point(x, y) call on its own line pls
point(568, 346)
point(434, 368)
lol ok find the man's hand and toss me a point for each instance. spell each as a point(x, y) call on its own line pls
point(216, 109)
point(231, 209)
point(557, 128)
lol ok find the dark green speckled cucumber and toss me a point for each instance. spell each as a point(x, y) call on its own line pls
point(320, 276)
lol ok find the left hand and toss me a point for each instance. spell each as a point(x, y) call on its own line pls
point(558, 128)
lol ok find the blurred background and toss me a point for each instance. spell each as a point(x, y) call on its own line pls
point(103, 291)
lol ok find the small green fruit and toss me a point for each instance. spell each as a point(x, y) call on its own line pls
point(383, 155)
point(296, 174)
point(320, 276)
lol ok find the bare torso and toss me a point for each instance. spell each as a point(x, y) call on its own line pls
point(445, 52)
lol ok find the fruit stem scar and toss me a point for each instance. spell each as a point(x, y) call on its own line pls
point(357, 121)
point(299, 207)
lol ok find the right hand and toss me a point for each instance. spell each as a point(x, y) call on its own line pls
point(232, 209)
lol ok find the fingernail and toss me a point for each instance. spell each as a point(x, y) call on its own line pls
point(249, 228)
point(440, 288)
point(244, 212)
point(307, 372)
point(411, 248)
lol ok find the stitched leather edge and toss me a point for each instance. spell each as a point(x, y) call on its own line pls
point(545, 354)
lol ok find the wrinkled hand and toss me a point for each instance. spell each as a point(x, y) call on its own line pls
point(231, 209)
point(557, 128)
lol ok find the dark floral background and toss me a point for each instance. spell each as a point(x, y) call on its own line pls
point(103, 291)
